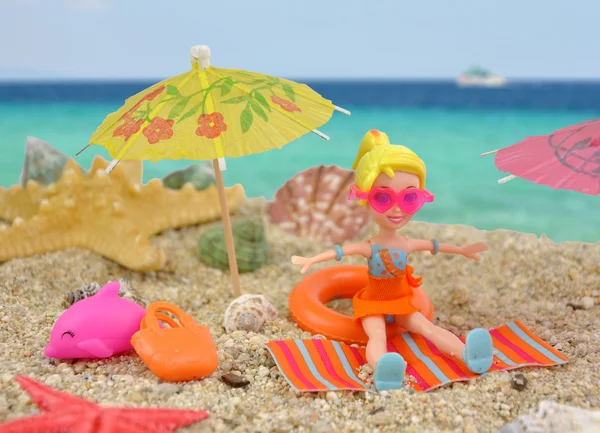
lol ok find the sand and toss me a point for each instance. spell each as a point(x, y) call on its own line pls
point(541, 283)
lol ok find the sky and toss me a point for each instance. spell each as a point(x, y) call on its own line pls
point(352, 39)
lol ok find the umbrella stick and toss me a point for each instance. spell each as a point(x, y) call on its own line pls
point(507, 178)
point(491, 152)
point(235, 275)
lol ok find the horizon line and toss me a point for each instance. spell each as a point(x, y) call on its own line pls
point(59, 80)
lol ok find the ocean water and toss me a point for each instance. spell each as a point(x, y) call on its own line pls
point(449, 127)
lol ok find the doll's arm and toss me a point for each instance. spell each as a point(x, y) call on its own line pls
point(469, 251)
point(360, 248)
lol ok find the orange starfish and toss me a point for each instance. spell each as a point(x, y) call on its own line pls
point(66, 413)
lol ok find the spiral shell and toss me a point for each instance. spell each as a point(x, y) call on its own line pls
point(248, 313)
point(126, 292)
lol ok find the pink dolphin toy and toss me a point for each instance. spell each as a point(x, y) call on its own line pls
point(96, 327)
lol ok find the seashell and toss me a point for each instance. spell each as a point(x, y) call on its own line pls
point(250, 242)
point(43, 163)
point(314, 203)
point(551, 417)
point(200, 175)
point(249, 312)
point(126, 291)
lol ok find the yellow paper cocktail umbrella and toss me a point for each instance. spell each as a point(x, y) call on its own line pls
point(211, 113)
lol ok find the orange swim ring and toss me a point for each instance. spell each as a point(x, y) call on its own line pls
point(307, 304)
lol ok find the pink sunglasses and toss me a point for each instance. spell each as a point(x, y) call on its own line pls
point(382, 199)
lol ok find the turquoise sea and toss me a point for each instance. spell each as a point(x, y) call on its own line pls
point(449, 134)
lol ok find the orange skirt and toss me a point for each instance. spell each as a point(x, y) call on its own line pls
point(381, 296)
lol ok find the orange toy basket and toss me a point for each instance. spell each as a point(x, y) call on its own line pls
point(181, 352)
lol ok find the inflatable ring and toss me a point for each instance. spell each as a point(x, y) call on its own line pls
point(307, 304)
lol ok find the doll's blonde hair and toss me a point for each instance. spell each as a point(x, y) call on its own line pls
point(376, 155)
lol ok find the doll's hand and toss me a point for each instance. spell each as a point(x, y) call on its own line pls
point(470, 251)
point(302, 261)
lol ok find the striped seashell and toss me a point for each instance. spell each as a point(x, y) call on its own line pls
point(314, 203)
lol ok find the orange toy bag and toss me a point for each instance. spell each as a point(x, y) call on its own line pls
point(181, 352)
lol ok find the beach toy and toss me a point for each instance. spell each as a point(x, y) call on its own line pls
point(566, 158)
point(68, 413)
point(181, 352)
point(390, 180)
point(307, 303)
point(201, 115)
point(95, 327)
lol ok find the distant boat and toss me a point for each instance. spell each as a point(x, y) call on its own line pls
point(480, 77)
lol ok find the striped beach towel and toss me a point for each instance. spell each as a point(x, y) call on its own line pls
point(325, 365)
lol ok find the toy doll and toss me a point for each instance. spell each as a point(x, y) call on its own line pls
point(390, 179)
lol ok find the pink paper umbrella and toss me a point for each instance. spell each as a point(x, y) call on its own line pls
point(569, 158)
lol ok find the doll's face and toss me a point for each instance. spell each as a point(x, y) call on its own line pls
point(394, 218)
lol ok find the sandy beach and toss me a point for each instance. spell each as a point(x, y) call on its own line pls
point(547, 286)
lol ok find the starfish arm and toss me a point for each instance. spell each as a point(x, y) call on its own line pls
point(112, 237)
point(119, 239)
point(37, 235)
point(156, 208)
point(150, 419)
point(66, 413)
point(49, 399)
point(49, 422)
point(125, 172)
point(82, 215)
point(17, 201)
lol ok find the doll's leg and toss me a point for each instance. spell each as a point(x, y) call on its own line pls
point(478, 353)
point(389, 367)
point(443, 339)
point(374, 327)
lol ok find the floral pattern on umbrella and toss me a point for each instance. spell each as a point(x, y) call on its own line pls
point(212, 113)
point(210, 125)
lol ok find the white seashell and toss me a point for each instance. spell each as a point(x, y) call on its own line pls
point(249, 312)
point(551, 417)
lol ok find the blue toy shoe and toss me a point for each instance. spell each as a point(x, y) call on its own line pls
point(389, 372)
point(478, 353)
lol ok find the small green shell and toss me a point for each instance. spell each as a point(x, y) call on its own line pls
point(251, 246)
point(200, 175)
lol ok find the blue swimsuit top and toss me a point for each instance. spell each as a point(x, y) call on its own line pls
point(376, 265)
